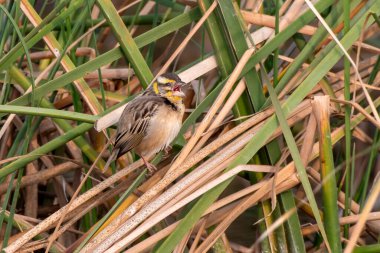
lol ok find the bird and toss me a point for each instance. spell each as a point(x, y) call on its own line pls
point(151, 121)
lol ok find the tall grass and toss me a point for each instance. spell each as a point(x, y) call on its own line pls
point(278, 148)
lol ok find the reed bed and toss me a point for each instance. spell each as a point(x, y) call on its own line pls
point(279, 144)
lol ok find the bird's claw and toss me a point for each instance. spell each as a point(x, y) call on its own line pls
point(167, 151)
point(151, 169)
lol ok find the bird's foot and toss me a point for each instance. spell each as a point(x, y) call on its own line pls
point(151, 168)
point(167, 151)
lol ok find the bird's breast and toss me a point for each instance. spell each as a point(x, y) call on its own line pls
point(163, 128)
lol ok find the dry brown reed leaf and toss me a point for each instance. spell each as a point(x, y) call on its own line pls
point(226, 109)
point(33, 246)
point(360, 109)
point(253, 5)
point(40, 176)
point(283, 218)
point(240, 248)
point(283, 7)
point(148, 223)
point(182, 245)
point(40, 55)
point(31, 205)
point(117, 73)
point(294, 11)
point(199, 69)
point(269, 21)
point(236, 196)
point(189, 190)
point(357, 229)
point(226, 243)
point(362, 135)
point(11, 159)
point(198, 235)
point(308, 140)
point(354, 207)
point(352, 219)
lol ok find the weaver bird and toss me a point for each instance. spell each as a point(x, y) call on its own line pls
point(151, 121)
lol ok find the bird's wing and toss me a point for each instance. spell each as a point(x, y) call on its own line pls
point(134, 122)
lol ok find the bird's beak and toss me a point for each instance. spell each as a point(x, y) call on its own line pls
point(178, 93)
point(177, 89)
point(177, 86)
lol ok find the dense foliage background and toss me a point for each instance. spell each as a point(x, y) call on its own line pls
point(278, 149)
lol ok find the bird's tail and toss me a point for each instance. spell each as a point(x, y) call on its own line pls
point(111, 158)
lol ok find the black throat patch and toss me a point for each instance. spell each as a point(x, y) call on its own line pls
point(170, 104)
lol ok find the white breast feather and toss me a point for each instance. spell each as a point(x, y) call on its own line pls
point(160, 134)
point(173, 129)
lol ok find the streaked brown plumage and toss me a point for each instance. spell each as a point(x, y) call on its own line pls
point(150, 122)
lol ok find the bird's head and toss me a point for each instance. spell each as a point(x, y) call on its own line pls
point(169, 85)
